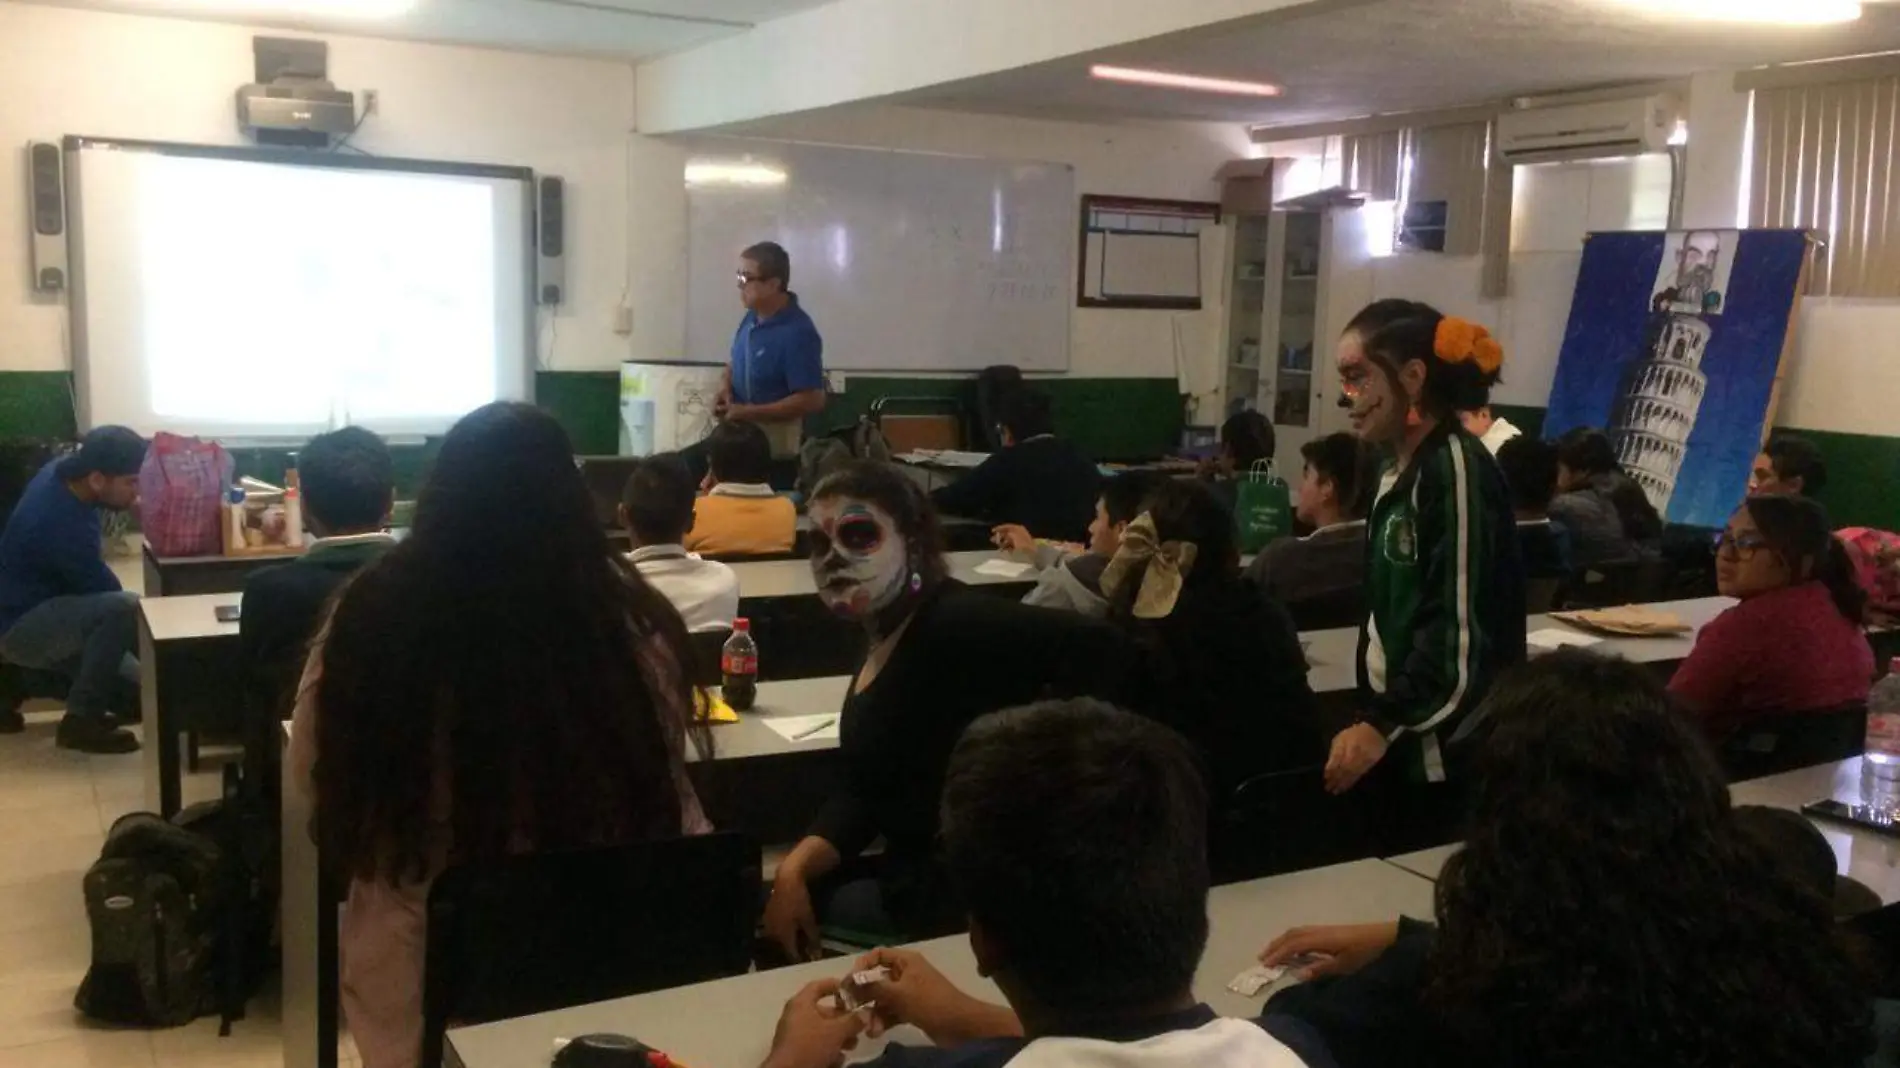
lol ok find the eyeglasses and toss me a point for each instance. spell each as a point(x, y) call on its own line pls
point(1740, 546)
point(745, 279)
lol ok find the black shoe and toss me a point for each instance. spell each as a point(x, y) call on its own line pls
point(87, 735)
point(11, 722)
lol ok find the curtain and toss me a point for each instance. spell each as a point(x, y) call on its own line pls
point(1448, 164)
point(1372, 163)
point(1824, 159)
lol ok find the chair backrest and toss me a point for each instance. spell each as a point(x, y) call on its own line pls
point(1335, 608)
point(551, 930)
point(1792, 740)
point(708, 647)
point(1280, 822)
point(1540, 595)
point(1608, 585)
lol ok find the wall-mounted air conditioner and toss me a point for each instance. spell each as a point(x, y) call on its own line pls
point(1587, 131)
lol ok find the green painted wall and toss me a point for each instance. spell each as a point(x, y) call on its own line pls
point(38, 404)
point(1109, 418)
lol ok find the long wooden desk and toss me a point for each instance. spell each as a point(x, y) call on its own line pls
point(1873, 859)
point(729, 1023)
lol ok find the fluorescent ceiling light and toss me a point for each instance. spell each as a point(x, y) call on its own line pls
point(1192, 82)
point(1761, 12)
point(350, 9)
point(705, 172)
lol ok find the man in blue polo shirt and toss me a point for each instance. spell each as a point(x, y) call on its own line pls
point(776, 376)
point(61, 608)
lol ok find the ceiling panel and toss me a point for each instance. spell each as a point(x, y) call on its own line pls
point(1403, 55)
point(620, 29)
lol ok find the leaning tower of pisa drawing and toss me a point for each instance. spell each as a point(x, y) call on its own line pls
point(1650, 425)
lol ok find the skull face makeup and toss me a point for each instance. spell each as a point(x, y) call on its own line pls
point(858, 558)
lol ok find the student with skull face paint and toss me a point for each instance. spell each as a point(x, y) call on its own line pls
point(940, 655)
point(1443, 576)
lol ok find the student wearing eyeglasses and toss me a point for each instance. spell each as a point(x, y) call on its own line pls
point(1794, 643)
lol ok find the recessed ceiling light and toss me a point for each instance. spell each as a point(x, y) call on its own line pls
point(1192, 82)
point(349, 9)
point(747, 173)
point(1761, 12)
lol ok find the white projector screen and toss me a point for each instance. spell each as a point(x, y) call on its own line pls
point(257, 294)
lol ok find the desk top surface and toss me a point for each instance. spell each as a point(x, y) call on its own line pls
point(792, 578)
point(1871, 858)
point(728, 1023)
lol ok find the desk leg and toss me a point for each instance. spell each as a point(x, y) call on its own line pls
point(310, 973)
point(162, 785)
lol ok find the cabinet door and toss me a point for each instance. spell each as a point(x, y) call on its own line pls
point(1290, 367)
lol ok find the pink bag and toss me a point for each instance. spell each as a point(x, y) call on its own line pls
point(1875, 555)
point(181, 485)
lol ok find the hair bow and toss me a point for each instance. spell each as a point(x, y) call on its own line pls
point(1460, 340)
point(1167, 562)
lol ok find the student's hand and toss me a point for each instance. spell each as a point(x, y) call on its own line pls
point(1355, 751)
point(1335, 950)
point(917, 994)
point(789, 920)
point(812, 1034)
point(722, 403)
point(1011, 537)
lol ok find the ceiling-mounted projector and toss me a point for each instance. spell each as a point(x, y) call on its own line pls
point(306, 113)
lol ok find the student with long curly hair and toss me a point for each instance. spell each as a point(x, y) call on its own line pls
point(1607, 911)
point(501, 682)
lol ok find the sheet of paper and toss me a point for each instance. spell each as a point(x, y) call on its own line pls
point(1550, 639)
point(805, 728)
point(1002, 568)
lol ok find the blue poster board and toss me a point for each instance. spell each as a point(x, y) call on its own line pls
point(1672, 347)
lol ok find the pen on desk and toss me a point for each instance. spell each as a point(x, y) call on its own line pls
point(809, 731)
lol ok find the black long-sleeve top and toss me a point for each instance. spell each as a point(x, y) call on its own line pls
point(965, 654)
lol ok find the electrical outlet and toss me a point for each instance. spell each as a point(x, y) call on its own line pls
point(623, 320)
point(369, 102)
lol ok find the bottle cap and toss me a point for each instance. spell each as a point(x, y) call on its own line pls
point(742, 625)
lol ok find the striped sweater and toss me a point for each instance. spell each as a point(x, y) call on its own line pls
point(1445, 586)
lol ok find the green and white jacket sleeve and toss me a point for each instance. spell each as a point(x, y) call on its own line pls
point(1427, 578)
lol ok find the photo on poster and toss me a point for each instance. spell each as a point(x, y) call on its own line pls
point(1693, 278)
point(1672, 349)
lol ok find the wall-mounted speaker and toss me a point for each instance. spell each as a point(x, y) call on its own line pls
point(551, 239)
point(46, 208)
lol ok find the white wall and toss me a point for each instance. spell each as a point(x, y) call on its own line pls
point(1174, 161)
point(67, 71)
point(1841, 373)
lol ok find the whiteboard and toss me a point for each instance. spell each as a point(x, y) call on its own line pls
point(906, 261)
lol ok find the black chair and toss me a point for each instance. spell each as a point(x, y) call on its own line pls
point(1540, 595)
point(1793, 740)
point(1335, 608)
point(708, 648)
point(1609, 585)
point(1281, 822)
point(552, 930)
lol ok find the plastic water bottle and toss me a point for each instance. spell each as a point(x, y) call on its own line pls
point(1880, 767)
point(739, 667)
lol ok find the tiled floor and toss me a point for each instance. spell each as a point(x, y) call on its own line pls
point(54, 809)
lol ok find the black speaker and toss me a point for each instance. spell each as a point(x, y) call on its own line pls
point(551, 239)
point(46, 205)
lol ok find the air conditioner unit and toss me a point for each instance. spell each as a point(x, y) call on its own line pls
point(1586, 131)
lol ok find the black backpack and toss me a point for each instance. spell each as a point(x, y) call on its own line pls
point(178, 925)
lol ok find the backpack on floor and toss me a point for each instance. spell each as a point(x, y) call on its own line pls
point(177, 927)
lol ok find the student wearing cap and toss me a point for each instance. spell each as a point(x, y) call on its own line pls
point(61, 608)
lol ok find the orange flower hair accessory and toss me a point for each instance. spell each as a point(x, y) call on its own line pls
point(1458, 340)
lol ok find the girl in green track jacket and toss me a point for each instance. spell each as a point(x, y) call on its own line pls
point(1444, 581)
